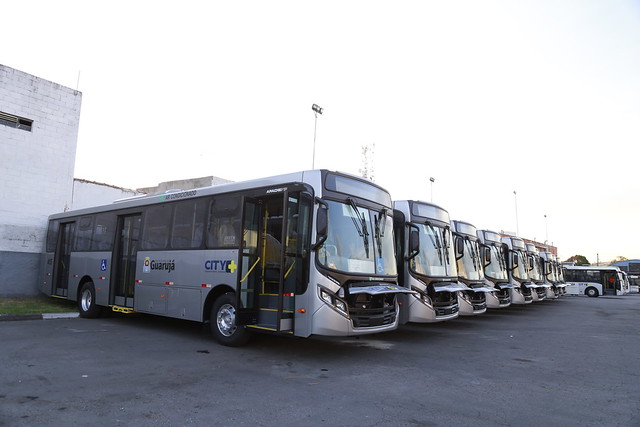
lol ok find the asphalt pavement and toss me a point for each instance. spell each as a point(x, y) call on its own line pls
point(570, 362)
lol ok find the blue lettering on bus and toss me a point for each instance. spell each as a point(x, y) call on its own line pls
point(220, 266)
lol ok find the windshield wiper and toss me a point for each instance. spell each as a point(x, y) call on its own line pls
point(361, 228)
point(380, 222)
point(472, 251)
point(434, 242)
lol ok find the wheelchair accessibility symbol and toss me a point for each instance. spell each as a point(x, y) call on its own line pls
point(103, 265)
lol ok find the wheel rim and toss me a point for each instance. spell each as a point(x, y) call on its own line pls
point(226, 319)
point(86, 300)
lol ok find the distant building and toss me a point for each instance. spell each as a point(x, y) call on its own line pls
point(38, 136)
point(184, 184)
point(89, 193)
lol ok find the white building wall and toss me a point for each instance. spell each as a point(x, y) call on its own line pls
point(36, 169)
point(88, 194)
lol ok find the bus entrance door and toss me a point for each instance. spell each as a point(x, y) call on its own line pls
point(63, 259)
point(124, 265)
point(264, 304)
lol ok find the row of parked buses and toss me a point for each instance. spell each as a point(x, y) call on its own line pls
point(314, 252)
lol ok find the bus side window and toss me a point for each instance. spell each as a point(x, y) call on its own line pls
point(84, 233)
point(52, 235)
point(103, 232)
point(188, 224)
point(157, 224)
point(224, 223)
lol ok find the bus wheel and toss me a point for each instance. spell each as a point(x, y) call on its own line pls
point(223, 322)
point(591, 292)
point(87, 302)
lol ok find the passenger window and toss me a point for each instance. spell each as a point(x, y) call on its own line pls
point(188, 224)
point(224, 223)
point(84, 233)
point(104, 232)
point(157, 221)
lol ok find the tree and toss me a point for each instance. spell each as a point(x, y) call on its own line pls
point(619, 258)
point(579, 260)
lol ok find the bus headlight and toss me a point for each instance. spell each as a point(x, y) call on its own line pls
point(333, 301)
point(464, 296)
point(421, 296)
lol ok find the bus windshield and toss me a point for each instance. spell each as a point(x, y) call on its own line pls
point(496, 268)
point(436, 257)
point(469, 265)
point(359, 240)
point(534, 271)
point(521, 271)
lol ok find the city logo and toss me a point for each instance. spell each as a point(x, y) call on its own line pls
point(163, 265)
point(220, 266)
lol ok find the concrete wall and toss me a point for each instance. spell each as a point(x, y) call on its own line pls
point(36, 170)
point(89, 193)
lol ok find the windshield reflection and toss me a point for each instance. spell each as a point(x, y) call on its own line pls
point(436, 257)
point(534, 272)
point(359, 240)
point(496, 269)
point(521, 272)
point(469, 265)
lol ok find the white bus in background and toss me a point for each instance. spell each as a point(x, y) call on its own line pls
point(426, 262)
point(495, 269)
point(518, 271)
point(535, 273)
point(298, 254)
point(594, 281)
point(470, 269)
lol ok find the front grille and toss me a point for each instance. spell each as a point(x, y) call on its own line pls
point(372, 310)
point(445, 311)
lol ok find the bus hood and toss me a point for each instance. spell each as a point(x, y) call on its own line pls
point(484, 289)
point(451, 287)
point(379, 289)
point(505, 286)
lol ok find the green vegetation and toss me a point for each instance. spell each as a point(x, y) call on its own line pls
point(579, 260)
point(36, 305)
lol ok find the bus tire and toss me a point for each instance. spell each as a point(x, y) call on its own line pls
point(87, 302)
point(591, 292)
point(223, 322)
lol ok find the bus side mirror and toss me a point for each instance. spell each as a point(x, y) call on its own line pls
point(487, 255)
point(459, 247)
point(322, 225)
point(414, 244)
point(514, 260)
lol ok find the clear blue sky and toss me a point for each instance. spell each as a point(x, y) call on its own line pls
point(487, 97)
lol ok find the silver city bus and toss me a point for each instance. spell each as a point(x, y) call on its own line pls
point(495, 269)
point(426, 262)
point(517, 270)
point(539, 293)
point(550, 275)
point(470, 269)
point(300, 254)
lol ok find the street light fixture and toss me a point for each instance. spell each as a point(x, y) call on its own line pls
point(316, 110)
point(515, 197)
point(432, 179)
point(546, 229)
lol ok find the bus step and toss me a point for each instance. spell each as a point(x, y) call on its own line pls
point(125, 310)
point(271, 301)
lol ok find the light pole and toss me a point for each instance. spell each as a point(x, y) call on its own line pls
point(432, 179)
point(316, 110)
point(546, 229)
point(515, 198)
